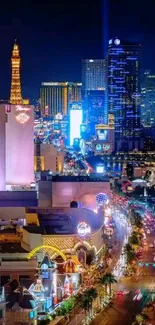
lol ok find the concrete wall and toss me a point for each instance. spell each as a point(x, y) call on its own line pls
point(85, 192)
point(32, 240)
point(45, 194)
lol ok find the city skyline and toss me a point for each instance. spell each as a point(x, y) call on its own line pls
point(66, 36)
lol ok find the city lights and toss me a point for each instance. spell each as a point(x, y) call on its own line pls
point(77, 167)
point(83, 229)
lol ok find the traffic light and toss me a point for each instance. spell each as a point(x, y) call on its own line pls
point(146, 264)
point(140, 264)
point(153, 264)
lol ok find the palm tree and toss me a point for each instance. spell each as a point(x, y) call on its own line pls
point(87, 299)
point(133, 239)
point(105, 254)
point(92, 292)
point(86, 303)
point(101, 293)
point(108, 279)
point(136, 220)
point(142, 319)
point(127, 248)
point(129, 253)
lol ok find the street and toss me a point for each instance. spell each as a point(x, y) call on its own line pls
point(125, 308)
point(139, 292)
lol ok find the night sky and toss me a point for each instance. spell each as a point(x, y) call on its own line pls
point(55, 35)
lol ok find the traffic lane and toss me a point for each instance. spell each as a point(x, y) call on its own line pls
point(122, 312)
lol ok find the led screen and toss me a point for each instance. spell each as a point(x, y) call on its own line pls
point(102, 134)
point(106, 146)
point(75, 122)
point(98, 147)
point(99, 169)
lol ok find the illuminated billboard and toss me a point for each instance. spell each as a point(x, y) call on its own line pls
point(102, 134)
point(102, 147)
point(76, 106)
point(100, 169)
point(75, 122)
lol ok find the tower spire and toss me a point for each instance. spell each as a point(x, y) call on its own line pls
point(15, 96)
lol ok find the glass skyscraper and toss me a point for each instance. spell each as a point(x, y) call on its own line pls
point(148, 100)
point(123, 82)
point(94, 92)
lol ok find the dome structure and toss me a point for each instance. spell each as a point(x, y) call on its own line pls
point(101, 199)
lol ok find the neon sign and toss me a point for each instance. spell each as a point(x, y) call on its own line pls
point(22, 109)
point(83, 229)
point(22, 117)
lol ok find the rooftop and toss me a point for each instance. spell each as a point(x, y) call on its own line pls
point(10, 247)
point(63, 221)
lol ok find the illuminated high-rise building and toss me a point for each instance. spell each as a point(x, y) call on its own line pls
point(93, 74)
point(15, 96)
point(148, 100)
point(56, 97)
point(123, 79)
point(94, 93)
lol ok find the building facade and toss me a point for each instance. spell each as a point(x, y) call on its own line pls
point(57, 96)
point(50, 158)
point(148, 100)
point(93, 74)
point(17, 145)
point(123, 80)
point(94, 93)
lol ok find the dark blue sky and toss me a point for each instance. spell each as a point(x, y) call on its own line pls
point(55, 35)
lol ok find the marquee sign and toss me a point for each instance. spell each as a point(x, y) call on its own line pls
point(22, 117)
point(22, 108)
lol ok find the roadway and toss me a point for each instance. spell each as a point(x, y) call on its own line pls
point(117, 241)
point(125, 308)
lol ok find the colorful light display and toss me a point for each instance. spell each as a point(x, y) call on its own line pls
point(47, 247)
point(22, 118)
point(15, 96)
point(83, 229)
point(101, 199)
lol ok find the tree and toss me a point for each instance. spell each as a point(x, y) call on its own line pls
point(136, 219)
point(142, 319)
point(129, 253)
point(133, 239)
point(92, 292)
point(86, 303)
point(105, 254)
point(127, 248)
point(107, 280)
point(87, 299)
point(101, 292)
point(44, 322)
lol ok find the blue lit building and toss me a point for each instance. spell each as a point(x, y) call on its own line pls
point(123, 82)
point(148, 100)
point(94, 93)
